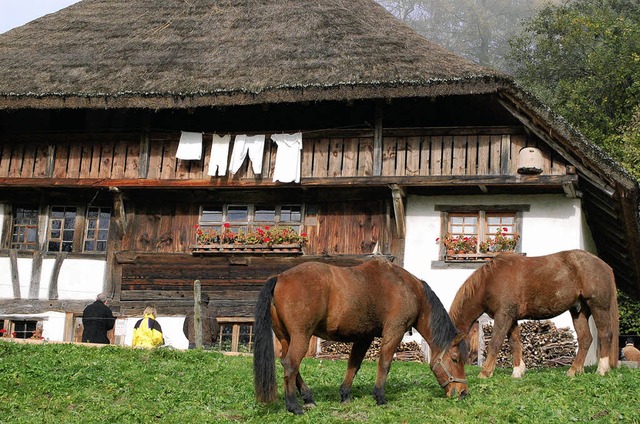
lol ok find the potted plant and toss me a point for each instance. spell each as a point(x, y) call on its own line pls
point(501, 241)
point(458, 245)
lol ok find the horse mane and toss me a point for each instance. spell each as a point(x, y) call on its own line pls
point(442, 329)
point(472, 285)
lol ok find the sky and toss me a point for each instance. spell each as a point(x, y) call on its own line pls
point(14, 13)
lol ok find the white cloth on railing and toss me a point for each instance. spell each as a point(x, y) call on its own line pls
point(219, 155)
point(243, 144)
point(287, 168)
point(190, 146)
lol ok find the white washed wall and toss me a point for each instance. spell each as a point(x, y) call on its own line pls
point(553, 223)
point(78, 279)
point(171, 329)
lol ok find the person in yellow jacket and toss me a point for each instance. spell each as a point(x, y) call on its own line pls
point(147, 332)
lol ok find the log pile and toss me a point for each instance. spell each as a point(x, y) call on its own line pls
point(543, 345)
point(407, 352)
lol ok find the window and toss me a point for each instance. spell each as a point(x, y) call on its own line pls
point(62, 222)
point(24, 329)
point(236, 335)
point(69, 229)
point(248, 217)
point(97, 229)
point(473, 234)
point(25, 229)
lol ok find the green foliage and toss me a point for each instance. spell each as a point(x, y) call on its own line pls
point(478, 30)
point(629, 312)
point(582, 59)
point(79, 384)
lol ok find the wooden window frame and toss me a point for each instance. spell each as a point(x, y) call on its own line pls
point(42, 225)
point(235, 323)
point(96, 240)
point(251, 223)
point(483, 212)
point(63, 228)
point(21, 244)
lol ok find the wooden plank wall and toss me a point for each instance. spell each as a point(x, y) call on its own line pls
point(167, 280)
point(119, 156)
point(341, 228)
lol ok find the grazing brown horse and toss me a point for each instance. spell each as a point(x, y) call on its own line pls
point(350, 304)
point(514, 287)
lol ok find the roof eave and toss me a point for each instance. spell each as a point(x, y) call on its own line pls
point(346, 91)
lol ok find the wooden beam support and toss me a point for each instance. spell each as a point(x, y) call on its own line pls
point(119, 213)
point(145, 151)
point(377, 139)
point(55, 274)
point(398, 195)
point(406, 181)
point(15, 277)
point(570, 191)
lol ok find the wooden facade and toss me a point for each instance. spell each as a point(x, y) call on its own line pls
point(353, 182)
point(147, 159)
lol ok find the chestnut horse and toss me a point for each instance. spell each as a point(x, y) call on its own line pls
point(513, 287)
point(350, 304)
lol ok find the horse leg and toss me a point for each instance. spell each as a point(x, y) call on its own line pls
point(581, 325)
point(291, 363)
point(388, 347)
point(516, 351)
point(358, 351)
point(605, 338)
point(501, 326)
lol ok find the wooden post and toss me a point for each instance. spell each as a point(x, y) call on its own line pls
point(197, 313)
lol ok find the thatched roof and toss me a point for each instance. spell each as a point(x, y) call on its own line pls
point(149, 53)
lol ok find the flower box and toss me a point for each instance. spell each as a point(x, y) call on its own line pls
point(239, 248)
point(473, 257)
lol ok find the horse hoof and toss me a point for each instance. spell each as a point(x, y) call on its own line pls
point(297, 411)
point(483, 375)
point(309, 405)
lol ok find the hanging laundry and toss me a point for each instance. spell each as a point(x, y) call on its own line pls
point(288, 161)
point(219, 155)
point(243, 144)
point(190, 146)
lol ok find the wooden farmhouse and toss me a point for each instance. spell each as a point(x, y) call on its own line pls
point(135, 135)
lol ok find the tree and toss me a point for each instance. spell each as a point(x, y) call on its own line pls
point(478, 30)
point(582, 59)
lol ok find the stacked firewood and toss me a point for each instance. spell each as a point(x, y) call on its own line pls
point(406, 352)
point(543, 345)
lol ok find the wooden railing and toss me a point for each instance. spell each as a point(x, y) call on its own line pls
point(151, 156)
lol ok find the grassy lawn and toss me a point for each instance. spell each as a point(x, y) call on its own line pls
point(52, 383)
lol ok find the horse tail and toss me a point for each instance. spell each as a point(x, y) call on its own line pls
point(615, 326)
point(264, 367)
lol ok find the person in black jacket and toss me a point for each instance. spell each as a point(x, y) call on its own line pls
point(97, 320)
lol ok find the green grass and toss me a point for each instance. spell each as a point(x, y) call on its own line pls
point(72, 383)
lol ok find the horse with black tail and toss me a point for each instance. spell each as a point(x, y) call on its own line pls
point(350, 304)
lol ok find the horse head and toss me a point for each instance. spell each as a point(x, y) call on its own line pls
point(448, 367)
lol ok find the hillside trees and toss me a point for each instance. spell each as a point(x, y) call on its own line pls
point(582, 59)
point(478, 30)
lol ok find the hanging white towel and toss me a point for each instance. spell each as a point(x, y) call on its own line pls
point(190, 146)
point(287, 168)
point(243, 144)
point(219, 155)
